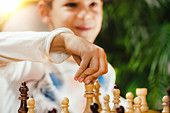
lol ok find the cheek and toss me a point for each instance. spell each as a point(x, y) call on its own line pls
point(98, 21)
point(61, 19)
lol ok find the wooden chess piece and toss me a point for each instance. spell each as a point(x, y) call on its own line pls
point(94, 108)
point(129, 98)
point(137, 105)
point(30, 105)
point(89, 94)
point(65, 102)
point(116, 101)
point(23, 97)
point(106, 107)
point(165, 100)
point(97, 94)
point(142, 92)
point(120, 109)
point(168, 91)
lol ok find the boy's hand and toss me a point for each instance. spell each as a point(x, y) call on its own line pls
point(91, 58)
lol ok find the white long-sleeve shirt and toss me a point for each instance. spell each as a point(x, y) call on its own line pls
point(24, 56)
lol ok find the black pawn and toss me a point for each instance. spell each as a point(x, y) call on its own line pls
point(23, 97)
point(94, 107)
point(120, 109)
point(116, 86)
point(53, 111)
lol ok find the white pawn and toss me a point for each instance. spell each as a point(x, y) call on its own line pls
point(106, 107)
point(137, 105)
point(129, 98)
point(30, 105)
point(142, 92)
point(165, 100)
point(65, 102)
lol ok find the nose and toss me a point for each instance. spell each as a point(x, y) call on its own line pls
point(84, 14)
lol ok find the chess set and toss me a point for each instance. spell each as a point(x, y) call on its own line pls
point(93, 104)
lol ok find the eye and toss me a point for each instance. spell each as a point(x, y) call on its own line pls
point(71, 4)
point(93, 4)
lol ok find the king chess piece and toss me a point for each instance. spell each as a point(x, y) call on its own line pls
point(23, 97)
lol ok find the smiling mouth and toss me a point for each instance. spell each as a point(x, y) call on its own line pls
point(82, 28)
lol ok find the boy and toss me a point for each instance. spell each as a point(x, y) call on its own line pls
point(50, 82)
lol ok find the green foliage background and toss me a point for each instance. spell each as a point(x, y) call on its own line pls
point(136, 38)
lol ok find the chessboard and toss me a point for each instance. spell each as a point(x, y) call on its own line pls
point(93, 105)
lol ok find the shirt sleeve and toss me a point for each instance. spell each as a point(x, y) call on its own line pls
point(30, 46)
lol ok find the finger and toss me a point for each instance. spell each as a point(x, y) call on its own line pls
point(94, 80)
point(93, 67)
point(77, 59)
point(103, 69)
point(83, 66)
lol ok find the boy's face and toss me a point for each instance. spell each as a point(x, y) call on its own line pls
point(83, 17)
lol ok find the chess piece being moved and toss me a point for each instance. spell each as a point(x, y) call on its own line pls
point(30, 105)
point(106, 107)
point(94, 108)
point(116, 101)
point(142, 92)
point(165, 100)
point(137, 106)
point(97, 94)
point(65, 102)
point(129, 99)
point(89, 94)
point(23, 97)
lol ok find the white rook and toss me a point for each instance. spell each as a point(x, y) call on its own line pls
point(142, 92)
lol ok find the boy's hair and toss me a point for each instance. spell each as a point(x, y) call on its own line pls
point(49, 2)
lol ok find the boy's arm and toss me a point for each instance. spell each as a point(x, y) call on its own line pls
point(52, 47)
point(29, 46)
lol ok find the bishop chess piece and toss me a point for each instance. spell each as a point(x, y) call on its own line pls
point(30, 105)
point(23, 97)
point(97, 93)
point(137, 106)
point(94, 108)
point(65, 102)
point(142, 92)
point(106, 107)
point(129, 99)
point(116, 101)
point(89, 94)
